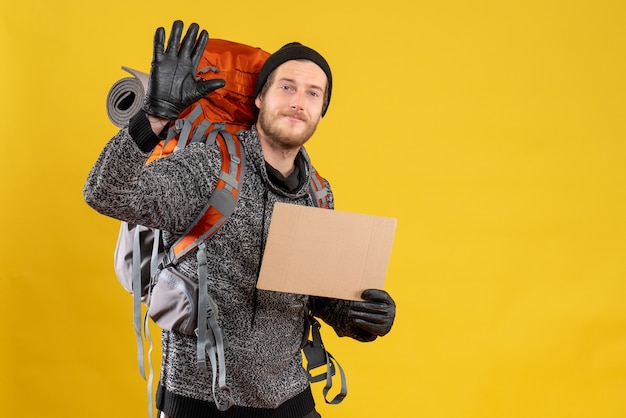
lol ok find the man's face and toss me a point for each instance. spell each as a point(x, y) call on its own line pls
point(291, 106)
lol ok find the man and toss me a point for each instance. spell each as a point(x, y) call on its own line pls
point(264, 329)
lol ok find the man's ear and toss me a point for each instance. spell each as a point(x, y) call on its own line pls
point(257, 101)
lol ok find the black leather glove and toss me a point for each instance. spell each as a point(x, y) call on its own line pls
point(374, 315)
point(172, 85)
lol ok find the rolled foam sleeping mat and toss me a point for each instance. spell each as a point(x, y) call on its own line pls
point(126, 96)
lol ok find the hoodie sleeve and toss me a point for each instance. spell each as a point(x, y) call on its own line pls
point(169, 193)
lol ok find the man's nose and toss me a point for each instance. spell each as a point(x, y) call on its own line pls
point(297, 101)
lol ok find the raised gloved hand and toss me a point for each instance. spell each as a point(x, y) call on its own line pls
point(375, 314)
point(173, 85)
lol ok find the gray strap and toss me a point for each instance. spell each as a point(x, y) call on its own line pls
point(317, 356)
point(210, 339)
point(202, 308)
point(171, 133)
point(207, 69)
point(187, 124)
point(217, 128)
point(229, 178)
point(137, 300)
point(154, 266)
point(154, 260)
point(329, 381)
point(219, 367)
point(198, 133)
point(150, 380)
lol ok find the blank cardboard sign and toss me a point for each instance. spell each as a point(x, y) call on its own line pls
point(322, 252)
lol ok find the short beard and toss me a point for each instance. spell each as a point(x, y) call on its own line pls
point(278, 139)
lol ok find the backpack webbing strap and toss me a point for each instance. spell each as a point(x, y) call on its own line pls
point(182, 129)
point(154, 271)
point(317, 356)
point(140, 324)
point(210, 339)
point(150, 368)
point(187, 124)
point(229, 177)
point(329, 381)
point(137, 321)
point(156, 249)
point(198, 133)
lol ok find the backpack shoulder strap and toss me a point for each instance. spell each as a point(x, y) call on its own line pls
point(318, 189)
point(221, 204)
point(317, 356)
point(314, 350)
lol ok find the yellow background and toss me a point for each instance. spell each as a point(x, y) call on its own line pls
point(494, 131)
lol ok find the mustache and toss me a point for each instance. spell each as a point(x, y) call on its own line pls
point(296, 114)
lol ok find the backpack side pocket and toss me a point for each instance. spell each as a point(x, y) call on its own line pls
point(173, 303)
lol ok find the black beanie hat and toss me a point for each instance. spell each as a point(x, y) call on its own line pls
point(293, 51)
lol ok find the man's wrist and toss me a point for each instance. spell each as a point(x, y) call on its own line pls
point(142, 132)
point(157, 123)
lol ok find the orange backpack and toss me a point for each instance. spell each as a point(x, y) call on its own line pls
point(174, 302)
point(231, 105)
